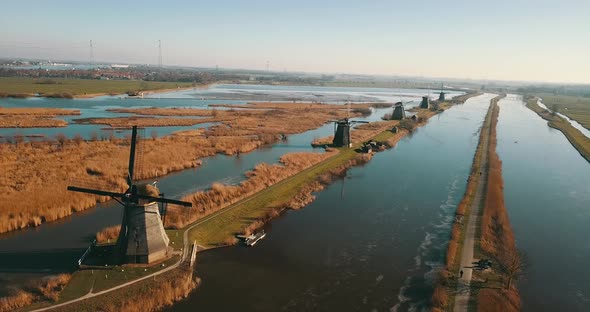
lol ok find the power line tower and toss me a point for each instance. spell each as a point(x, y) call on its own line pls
point(91, 53)
point(160, 53)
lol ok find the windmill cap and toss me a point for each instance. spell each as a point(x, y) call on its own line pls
point(148, 190)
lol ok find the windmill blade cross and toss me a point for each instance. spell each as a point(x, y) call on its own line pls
point(95, 192)
point(165, 200)
point(132, 155)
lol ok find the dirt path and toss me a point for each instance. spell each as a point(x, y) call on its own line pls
point(463, 288)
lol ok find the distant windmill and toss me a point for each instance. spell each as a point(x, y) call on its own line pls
point(399, 112)
point(425, 102)
point(342, 130)
point(142, 238)
point(441, 96)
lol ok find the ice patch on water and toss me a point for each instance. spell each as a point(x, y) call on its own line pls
point(401, 297)
point(434, 242)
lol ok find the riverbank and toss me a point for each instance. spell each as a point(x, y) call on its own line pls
point(29, 202)
point(574, 136)
point(481, 231)
point(293, 191)
point(546, 189)
point(19, 87)
point(288, 188)
point(33, 117)
point(574, 107)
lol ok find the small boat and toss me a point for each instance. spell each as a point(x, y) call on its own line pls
point(254, 238)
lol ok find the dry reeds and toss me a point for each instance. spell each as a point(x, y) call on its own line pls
point(498, 300)
point(164, 292)
point(273, 213)
point(220, 195)
point(48, 288)
point(28, 121)
point(152, 294)
point(440, 298)
point(52, 286)
point(496, 231)
point(37, 111)
point(15, 300)
point(305, 196)
point(108, 234)
point(496, 234)
point(128, 122)
point(36, 175)
point(497, 237)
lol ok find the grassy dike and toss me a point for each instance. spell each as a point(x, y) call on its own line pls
point(215, 229)
point(575, 136)
point(21, 87)
point(210, 231)
point(493, 238)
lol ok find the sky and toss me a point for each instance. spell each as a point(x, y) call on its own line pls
point(493, 40)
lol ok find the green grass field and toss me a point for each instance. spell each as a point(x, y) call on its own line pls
point(97, 280)
point(576, 138)
point(576, 108)
point(78, 87)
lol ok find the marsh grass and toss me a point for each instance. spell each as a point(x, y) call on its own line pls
point(108, 234)
point(33, 186)
point(148, 295)
point(46, 289)
point(24, 87)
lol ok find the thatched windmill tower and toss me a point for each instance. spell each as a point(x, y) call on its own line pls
point(342, 132)
point(142, 238)
point(425, 102)
point(399, 112)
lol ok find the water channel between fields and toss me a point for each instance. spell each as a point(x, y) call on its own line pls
point(371, 241)
point(547, 193)
point(56, 246)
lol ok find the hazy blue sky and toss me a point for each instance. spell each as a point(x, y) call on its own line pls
point(510, 40)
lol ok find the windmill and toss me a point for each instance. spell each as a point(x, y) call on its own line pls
point(342, 130)
point(425, 102)
point(441, 95)
point(142, 238)
point(399, 112)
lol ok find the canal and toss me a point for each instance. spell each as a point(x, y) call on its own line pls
point(369, 242)
point(56, 246)
point(547, 194)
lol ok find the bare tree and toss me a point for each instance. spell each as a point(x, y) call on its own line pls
point(61, 139)
point(78, 139)
point(514, 263)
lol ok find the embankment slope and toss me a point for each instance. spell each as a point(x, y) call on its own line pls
point(481, 230)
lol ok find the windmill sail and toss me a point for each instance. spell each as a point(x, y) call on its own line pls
point(142, 237)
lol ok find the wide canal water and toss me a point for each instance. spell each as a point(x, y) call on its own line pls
point(547, 193)
point(373, 240)
point(369, 242)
